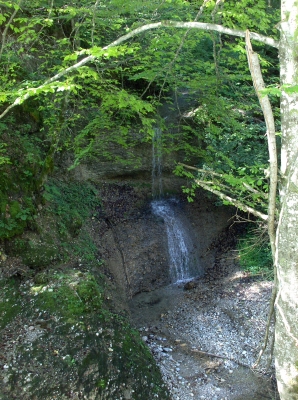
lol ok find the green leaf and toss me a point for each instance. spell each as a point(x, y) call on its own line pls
point(274, 91)
point(290, 89)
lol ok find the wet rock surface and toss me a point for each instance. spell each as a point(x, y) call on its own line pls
point(206, 339)
point(133, 241)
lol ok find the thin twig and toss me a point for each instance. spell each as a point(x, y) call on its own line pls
point(200, 12)
point(93, 21)
point(232, 200)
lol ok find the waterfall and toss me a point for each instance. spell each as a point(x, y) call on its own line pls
point(184, 263)
point(157, 189)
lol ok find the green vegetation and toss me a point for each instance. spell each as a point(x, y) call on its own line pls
point(62, 230)
point(255, 254)
point(71, 295)
point(72, 201)
point(107, 107)
point(72, 204)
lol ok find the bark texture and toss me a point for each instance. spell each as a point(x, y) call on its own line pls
point(286, 332)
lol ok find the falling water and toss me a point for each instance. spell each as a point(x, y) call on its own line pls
point(157, 164)
point(182, 252)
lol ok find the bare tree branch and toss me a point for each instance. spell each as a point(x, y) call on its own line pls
point(231, 200)
point(213, 173)
point(257, 78)
point(197, 25)
point(256, 74)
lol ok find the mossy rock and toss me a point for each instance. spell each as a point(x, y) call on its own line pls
point(41, 278)
point(35, 254)
point(76, 346)
point(9, 302)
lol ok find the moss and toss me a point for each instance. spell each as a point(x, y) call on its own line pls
point(294, 387)
point(132, 359)
point(9, 302)
point(121, 361)
point(70, 204)
point(39, 255)
point(72, 296)
point(35, 254)
point(82, 346)
point(41, 278)
point(74, 224)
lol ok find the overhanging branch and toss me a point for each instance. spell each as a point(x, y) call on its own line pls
point(222, 176)
point(166, 24)
point(197, 25)
point(231, 200)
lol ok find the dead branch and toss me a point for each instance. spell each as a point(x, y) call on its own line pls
point(256, 74)
point(204, 353)
point(233, 201)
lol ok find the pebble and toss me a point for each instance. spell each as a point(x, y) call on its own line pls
point(214, 326)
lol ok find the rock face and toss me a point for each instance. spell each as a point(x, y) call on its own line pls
point(133, 241)
point(141, 246)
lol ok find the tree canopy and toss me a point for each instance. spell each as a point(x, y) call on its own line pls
point(68, 84)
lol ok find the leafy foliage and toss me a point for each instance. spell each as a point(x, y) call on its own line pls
point(105, 108)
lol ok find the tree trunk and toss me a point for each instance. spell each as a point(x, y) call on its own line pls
point(286, 331)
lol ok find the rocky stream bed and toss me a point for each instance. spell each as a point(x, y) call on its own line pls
point(206, 339)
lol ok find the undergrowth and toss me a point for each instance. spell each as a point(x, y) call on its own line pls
point(73, 203)
point(255, 254)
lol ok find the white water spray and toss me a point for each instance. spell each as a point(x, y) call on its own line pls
point(182, 253)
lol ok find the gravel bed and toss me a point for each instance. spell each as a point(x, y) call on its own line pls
point(186, 330)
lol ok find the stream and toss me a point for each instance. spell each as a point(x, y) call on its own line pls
point(183, 257)
point(186, 329)
point(205, 339)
